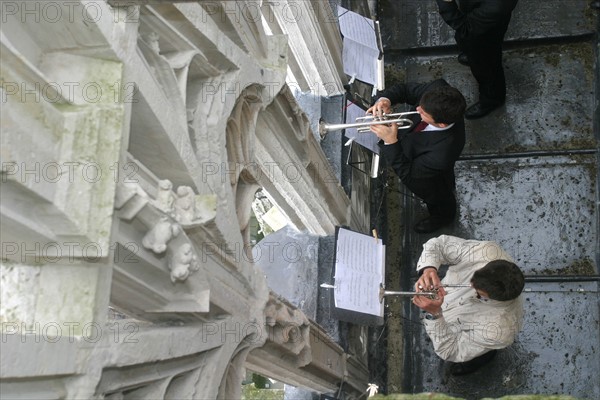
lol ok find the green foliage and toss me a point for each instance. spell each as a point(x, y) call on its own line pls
point(259, 381)
point(251, 392)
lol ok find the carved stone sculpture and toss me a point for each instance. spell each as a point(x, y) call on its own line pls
point(289, 329)
point(152, 39)
point(192, 209)
point(157, 238)
point(165, 197)
point(184, 204)
point(182, 261)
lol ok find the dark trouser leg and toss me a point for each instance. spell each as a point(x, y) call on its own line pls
point(446, 210)
point(486, 67)
point(485, 59)
point(437, 193)
point(473, 365)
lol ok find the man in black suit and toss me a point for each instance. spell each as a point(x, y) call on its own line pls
point(424, 157)
point(479, 27)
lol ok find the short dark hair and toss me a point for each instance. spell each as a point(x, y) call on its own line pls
point(500, 279)
point(445, 104)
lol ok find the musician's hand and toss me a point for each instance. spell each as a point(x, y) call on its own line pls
point(429, 280)
point(382, 106)
point(386, 132)
point(432, 306)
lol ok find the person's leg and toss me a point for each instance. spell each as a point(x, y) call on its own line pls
point(473, 365)
point(486, 67)
point(485, 60)
point(438, 195)
point(444, 210)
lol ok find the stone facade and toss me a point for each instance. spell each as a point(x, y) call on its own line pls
point(134, 137)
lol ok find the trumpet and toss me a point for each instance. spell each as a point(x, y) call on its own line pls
point(382, 293)
point(432, 294)
point(363, 124)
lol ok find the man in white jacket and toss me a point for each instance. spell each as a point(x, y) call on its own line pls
point(468, 324)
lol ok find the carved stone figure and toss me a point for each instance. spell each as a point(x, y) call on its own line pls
point(157, 238)
point(182, 261)
point(152, 39)
point(192, 209)
point(165, 197)
point(290, 329)
point(184, 204)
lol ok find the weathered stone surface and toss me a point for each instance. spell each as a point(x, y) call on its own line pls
point(134, 137)
point(289, 259)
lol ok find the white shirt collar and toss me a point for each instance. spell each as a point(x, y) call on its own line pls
point(435, 128)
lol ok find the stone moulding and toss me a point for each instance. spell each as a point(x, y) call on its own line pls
point(175, 73)
point(300, 353)
point(289, 329)
point(61, 161)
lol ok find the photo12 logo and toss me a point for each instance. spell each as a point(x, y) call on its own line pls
point(51, 11)
point(53, 332)
point(69, 92)
point(67, 171)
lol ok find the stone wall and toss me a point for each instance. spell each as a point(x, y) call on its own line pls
point(134, 136)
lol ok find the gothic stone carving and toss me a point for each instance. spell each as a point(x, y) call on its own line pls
point(289, 329)
point(169, 217)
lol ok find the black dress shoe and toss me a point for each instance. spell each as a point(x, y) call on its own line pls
point(473, 365)
point(431, 224)
point(478, 111)
point(463, 59)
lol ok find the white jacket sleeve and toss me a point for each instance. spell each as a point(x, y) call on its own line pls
point(448, 250)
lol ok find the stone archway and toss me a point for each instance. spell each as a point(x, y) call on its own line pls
point(241, 157)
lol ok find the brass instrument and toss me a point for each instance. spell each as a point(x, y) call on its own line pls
point(431, 294)
point(383, 293)
point(363, 124)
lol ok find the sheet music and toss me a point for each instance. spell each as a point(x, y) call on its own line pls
point(360, 46)
point(365, 139)
point(359, 272)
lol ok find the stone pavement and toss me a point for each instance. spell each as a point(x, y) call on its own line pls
point(528, 180)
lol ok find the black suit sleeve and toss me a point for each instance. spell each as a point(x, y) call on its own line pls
point(409, 93)
point(393, 154)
